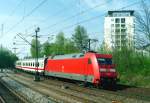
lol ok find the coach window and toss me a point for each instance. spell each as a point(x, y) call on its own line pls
point(33, 64)
point(39, 64)
point(42, 64)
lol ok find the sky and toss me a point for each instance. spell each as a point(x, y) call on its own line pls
point(53, 16)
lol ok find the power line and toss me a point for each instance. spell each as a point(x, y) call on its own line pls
point(12, 13)
point(27, 15)
point(90, 19)
point(14, 10)
point(75, 15)
point(55, 14)
point(47, 18)
point(95, 17)
point(19, 35)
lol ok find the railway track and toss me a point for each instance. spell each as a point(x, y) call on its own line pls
point(9, 96)
point(82, 94)
point(122, 90)
point(49, 89)
point(2, 100)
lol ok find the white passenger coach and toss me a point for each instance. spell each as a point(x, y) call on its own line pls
point(29, 65)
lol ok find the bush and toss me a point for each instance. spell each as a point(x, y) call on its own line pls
point(133, 68)
point(7, 58)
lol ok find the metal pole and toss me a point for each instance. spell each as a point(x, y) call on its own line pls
point(89, 44)
point(37, 76)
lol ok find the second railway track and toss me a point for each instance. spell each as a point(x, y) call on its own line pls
point(80, 93)
point(9, 96)
point(123, 90)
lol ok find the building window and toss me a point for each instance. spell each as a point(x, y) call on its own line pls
point(122, 25)
point(112, 19)
point(112, 30)
point(117, 20)
point(122, 20)
point(123, 30)
point(117, 30)
point(117, 25)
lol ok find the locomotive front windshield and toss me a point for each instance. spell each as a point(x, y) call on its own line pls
point(104, 61)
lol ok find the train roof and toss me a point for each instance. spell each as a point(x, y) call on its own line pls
point(33, 59)
point(74, 55)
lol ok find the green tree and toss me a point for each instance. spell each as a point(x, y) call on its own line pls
point(60, 43)
point(33, 48)
point(143, 26)
point(70, 47)
point(48, 48)
point(80, 38)
point(7, 58)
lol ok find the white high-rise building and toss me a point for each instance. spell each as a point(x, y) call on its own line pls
point(119, 29)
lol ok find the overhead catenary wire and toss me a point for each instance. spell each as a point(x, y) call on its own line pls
point(13, 11)
point(75, 15)
point(27, 15)
point(24, 39)
point(47, 18)
point(87, 20)
point(93, 18)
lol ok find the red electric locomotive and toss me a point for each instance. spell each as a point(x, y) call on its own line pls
point(89, 67)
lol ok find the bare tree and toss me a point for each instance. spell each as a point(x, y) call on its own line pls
point(143, 26)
